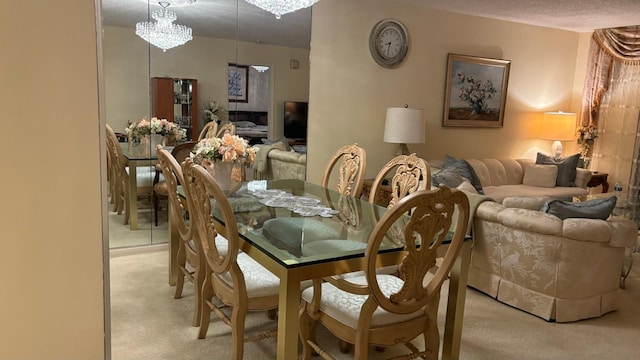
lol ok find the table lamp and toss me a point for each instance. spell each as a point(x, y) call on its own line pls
point(403, 126)
point(558, 126)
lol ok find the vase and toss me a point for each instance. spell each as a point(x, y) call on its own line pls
point(156, 139)
point(228, 175)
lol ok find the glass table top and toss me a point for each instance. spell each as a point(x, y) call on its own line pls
point(353, 224)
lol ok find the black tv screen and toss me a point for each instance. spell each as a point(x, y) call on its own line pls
point(295, 119)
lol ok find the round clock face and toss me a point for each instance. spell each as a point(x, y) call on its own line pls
point(389, 43)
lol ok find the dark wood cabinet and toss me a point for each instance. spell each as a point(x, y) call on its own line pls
point(176, 100)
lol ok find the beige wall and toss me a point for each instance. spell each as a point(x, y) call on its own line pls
point(349, 92)
point(51, 302)
point(127, 65)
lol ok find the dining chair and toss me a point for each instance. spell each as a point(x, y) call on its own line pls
point(384, 310)
point(144, 176)
point(410, 173)
point(231, 276)
point(209, 130)
point(116, 185)
point(345, 171)
point(189, 259)
point(226, 128)
point(349, 162)
point(160, 187)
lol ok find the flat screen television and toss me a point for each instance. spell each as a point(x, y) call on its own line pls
point(295, 119)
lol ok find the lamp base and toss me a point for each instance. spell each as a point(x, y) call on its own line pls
point(402, 150)
point(556, 149)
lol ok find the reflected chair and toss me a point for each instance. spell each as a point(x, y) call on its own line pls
point(226, 128)
point(116, 182)
point(346, 170)
point(209, 130)
point(144, 175)
point(160, 188)
point(232, 276)
point(384, 310)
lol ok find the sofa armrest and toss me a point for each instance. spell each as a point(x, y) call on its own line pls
point(287, 156)
point(582, 177)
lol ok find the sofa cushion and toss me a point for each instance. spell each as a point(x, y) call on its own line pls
point(449, 177)
point(540, 175)
point(283, 140)
point(590, 209)
point(566, 168)
point(464, 169)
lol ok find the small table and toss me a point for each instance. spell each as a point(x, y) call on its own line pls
point(382, 197)
point(598, 178)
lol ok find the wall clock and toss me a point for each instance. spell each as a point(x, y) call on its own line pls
point(389, 43)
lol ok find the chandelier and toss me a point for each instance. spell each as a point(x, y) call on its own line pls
point(163, 33)
point(281, 7)
point(260, 68)
point(174, 3)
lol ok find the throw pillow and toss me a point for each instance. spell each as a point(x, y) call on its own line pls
point(540, 175)
point(566, 168)
point(466, 186)
point(448, 177)
point(465, 170)
point(590, 209)
point(282, 139)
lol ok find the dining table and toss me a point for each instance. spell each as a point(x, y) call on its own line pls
point(353, 218)
point(137, 157)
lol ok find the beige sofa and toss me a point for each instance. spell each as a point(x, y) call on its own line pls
point(501, 178)
point(562, 270)
point(274, 163)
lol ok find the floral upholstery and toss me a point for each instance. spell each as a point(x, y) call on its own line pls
point(273, 163)
point(562, 270)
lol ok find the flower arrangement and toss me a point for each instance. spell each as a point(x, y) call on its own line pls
point(155, 126)
point(476, 93)
point(228, 148)
point(586, 137)
point(215, 111)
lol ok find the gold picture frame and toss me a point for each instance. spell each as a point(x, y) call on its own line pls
point(476, 91)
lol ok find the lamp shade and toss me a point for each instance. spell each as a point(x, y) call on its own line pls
point(558, 126)
point(404, 126)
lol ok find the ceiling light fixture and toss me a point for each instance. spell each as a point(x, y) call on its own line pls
point(163, 33)
point(281, 7)
point(260, 68)
point(174, 3)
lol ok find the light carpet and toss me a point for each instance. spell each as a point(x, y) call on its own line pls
point(148, 323)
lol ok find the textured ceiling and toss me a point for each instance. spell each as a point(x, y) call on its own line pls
point(217, 18)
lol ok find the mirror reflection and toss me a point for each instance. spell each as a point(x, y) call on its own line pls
point(241, 66)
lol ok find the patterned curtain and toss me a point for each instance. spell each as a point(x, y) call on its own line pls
point(611, 101)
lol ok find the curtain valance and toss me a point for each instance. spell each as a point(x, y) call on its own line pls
point(620, 44)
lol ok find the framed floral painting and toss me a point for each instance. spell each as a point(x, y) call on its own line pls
point(476, 91)
point(238, 83)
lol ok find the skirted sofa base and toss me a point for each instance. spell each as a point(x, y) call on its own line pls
point(562, 270)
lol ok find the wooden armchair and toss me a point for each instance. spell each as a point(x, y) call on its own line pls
point(384, 310)
point(160, 187)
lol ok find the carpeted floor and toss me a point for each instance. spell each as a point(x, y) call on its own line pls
point(148, 323)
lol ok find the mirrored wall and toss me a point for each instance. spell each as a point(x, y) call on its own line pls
point(143, 81)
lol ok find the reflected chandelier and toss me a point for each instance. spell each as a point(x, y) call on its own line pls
point(163, 33)
point(281, 7)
